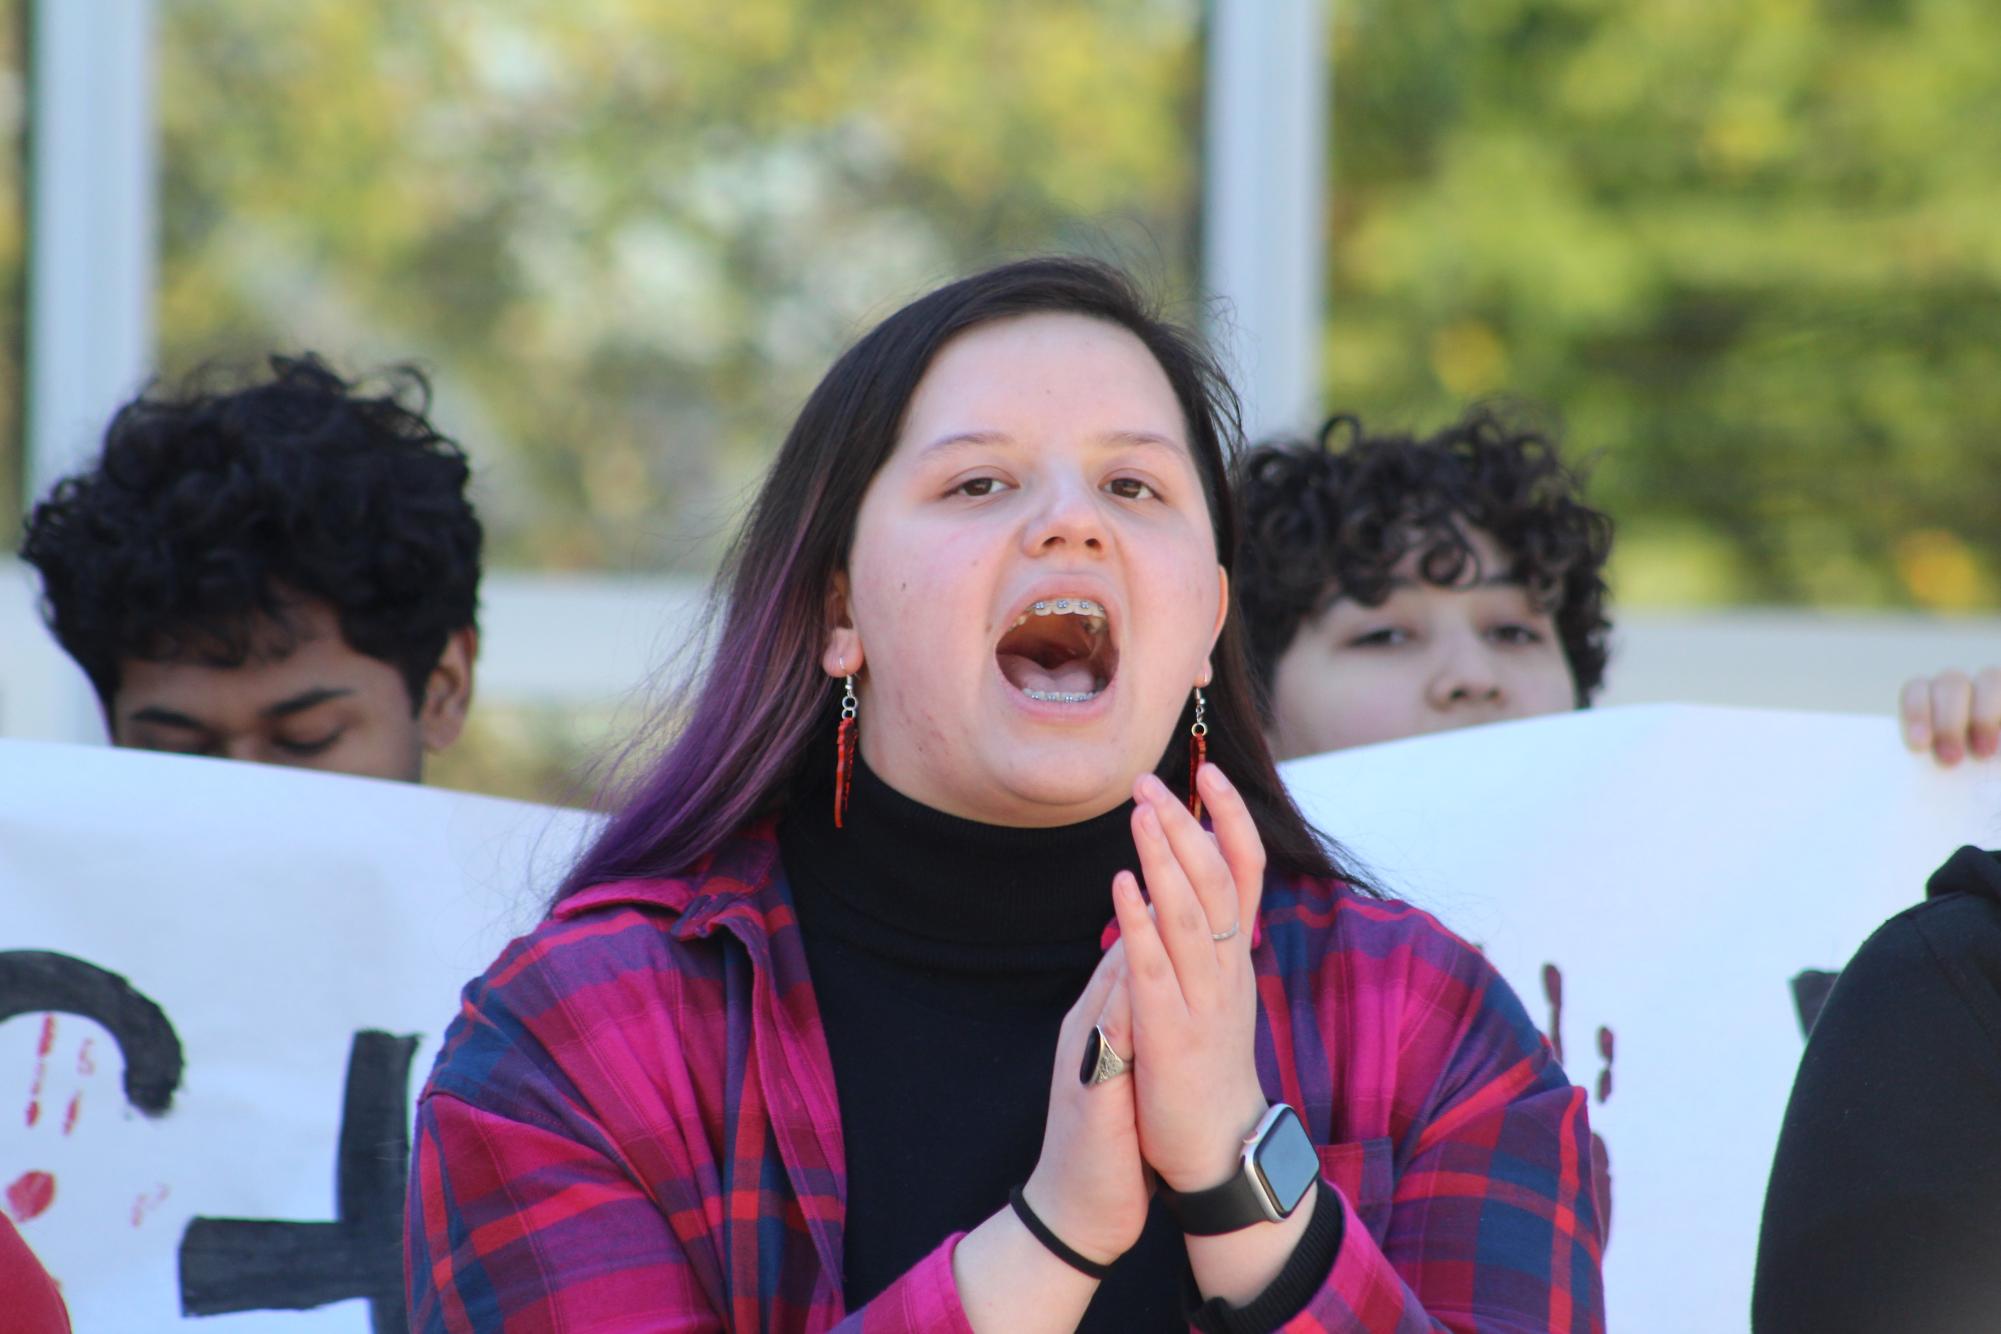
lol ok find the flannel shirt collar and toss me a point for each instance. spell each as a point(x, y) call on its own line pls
point(737, 887)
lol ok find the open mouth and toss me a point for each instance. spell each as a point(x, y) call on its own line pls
point(1059, 651)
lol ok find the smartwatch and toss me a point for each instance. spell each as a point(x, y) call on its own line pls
point(1278, 1167)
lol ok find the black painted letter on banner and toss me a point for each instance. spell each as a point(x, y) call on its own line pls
point(37, 980)
point(241, 1264)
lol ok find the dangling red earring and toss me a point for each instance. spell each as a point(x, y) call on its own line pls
point(844, 754)
point(1198, 751)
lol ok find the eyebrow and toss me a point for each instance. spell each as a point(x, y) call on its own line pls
point(304, 700)
point(1399, 583)
point(166, 718)
point(284, 708)
point(975, 439)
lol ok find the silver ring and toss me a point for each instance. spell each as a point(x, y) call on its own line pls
point(1102, 1062)
point(1220, 936)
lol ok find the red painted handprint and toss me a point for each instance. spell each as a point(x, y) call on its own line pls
point(56, 987)
point(31, 1193)
point(1601, 1160)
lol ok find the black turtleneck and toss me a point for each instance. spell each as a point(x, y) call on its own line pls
point(944, 954)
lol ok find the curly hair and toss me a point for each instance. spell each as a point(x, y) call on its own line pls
point(209, 512)
point(1335, 518)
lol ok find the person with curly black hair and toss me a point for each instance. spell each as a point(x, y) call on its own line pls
point(1394, 585)
point(286, 572)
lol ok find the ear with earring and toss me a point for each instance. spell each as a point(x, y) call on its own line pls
point(1198, 751)
point(845, 737)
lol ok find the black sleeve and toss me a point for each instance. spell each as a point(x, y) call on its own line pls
point(1312, 1261)
point(1884, 1210)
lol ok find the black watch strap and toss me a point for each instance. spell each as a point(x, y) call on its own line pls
point(1275, 1172)
point(1230, 1207)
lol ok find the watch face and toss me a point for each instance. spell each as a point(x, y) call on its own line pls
point(1287, 1161)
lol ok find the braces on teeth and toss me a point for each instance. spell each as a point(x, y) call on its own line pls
point(1094, 616)
point(1063, 607)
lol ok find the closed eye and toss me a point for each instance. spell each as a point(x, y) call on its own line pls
point(175, 746)
point(307, 749)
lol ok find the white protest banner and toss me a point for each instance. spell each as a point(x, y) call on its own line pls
point(247, 952)
point(1671, 869)
point(222, 985)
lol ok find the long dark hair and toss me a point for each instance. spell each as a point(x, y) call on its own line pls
point(762, 698)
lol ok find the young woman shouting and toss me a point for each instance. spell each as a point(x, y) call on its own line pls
point(933, 980)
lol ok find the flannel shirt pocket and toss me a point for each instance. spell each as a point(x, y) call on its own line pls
point(1364, 1172)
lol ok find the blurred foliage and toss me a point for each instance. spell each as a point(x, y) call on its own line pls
point(552, 753)
point(13, 234)
point(1746, 249)
point(630, 235)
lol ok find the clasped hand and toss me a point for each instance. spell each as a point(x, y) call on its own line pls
point(1177, 996)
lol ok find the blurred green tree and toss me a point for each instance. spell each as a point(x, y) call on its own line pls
point(13, 257)
point(1745, 249)
point(629, 235)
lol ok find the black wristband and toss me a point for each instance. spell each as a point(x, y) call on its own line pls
point(1040, 1231)
point(1304, 1274)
